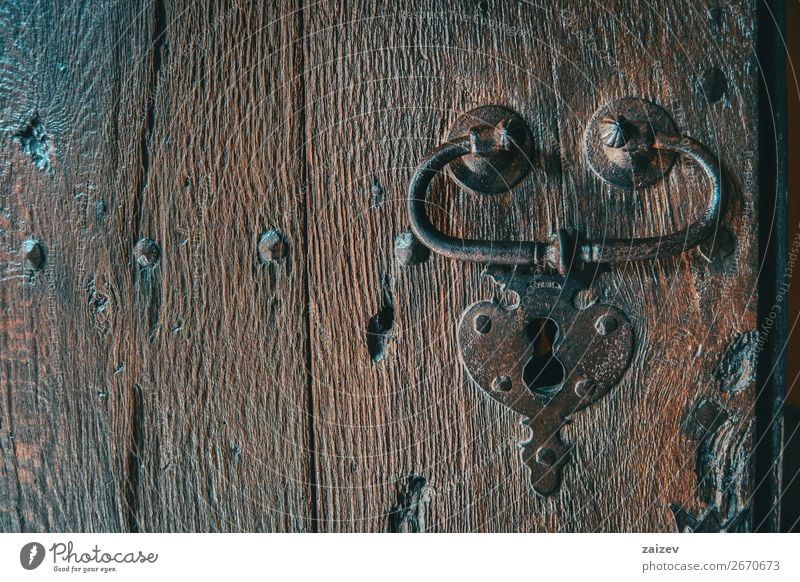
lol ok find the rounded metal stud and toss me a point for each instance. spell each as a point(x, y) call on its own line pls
point(272, 247)
point(483, 324)
point(619, 143)
point(546, 457)
point(606, 324)
point(585, 386)
point(503, 169)
point(147, 253)
point(33, 255)
point(501, 384)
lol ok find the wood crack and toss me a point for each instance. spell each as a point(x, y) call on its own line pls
point(150, 280)
point(15, 462)
point(305, 173)
point(134, 460)
point(158, 46)
point(410, 512)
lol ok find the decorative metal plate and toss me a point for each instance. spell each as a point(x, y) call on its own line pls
point(592, 346)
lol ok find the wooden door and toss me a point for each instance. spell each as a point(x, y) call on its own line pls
point(166, 367)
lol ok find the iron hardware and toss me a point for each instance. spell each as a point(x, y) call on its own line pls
point(500, 168)
point(563, 248)
point(554, 349)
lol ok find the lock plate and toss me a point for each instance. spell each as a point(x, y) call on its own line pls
point(546, 356)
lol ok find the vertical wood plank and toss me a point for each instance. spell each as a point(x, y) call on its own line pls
point(400, 427)
point(70, 102)
point(698, 62)
point(222, 336)
point(157, 386)
point(384, 83)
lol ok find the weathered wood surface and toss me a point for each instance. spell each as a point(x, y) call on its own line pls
point(384, 84)
point(211, 392)
point(170, 398)
point(71, 95)
point(224, 422)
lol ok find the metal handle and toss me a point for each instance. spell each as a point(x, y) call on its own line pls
point(564, 248)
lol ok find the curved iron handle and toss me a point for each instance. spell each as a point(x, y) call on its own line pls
point(564, 248)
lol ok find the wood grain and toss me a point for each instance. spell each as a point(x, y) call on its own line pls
point(384, 83)
point(225, 425)
point(173, 397)
point(208, 390)
point(71, 95)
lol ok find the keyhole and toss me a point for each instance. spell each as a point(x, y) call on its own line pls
point(543, 373)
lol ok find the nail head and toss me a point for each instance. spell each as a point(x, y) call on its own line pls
point(147, 253)
point(272, 246)
point(33, 255)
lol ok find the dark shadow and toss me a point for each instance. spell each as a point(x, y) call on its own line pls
point(543, 374)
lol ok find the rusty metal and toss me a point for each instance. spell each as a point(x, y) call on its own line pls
point(33, 255)
point(495, 348)
point(551, 253)
point(506, 152)
point(593, 342)
point(272, 247)
point(619, 142)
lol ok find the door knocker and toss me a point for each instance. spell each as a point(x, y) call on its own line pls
point(555, 350)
